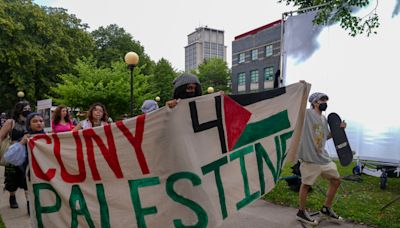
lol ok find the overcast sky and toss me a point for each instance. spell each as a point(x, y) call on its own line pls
point(162, 26)
point(359, 74)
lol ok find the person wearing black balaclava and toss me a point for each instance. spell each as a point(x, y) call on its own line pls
point(15, 128)
point(186, 85)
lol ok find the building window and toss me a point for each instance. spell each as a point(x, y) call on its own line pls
point(254, 54)
point(241, 78)
point(254, 80)
point(241, 57)
point(254, 76)
point(269, 74)
point(221, 50)
point(268, 50)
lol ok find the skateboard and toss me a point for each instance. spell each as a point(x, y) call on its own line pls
point(340, 140)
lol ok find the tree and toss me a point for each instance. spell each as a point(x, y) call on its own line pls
point(342, 12)
point(113, 42)
point(214, 72)
point(161, 80)
point(36, 44)
point(110, 86)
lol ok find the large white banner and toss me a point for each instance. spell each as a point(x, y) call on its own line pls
point(357, 75)
point(194, 165)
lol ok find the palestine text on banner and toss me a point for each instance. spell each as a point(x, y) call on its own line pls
point(194, 165)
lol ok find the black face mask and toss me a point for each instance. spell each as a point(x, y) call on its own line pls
point(188, 95)
point(25, 113)
point(322, 107)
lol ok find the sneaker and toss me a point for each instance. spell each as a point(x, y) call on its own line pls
point(327, 211)
point(304, 217)
point(13, 202)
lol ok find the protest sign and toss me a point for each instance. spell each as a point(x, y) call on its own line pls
point(194, 165)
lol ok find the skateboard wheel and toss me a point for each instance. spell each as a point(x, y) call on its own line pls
point(357, 170)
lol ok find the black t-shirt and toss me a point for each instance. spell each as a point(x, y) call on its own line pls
point(18, 131)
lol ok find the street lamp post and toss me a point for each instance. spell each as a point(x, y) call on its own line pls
point(20, 95)
point(131, 59)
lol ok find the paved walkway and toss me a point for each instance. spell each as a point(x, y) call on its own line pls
point(259, 214)
point(13, 218)
point(262, 214)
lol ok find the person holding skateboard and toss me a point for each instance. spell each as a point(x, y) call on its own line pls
point(315, 160)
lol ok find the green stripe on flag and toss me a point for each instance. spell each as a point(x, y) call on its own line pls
point(263, 128)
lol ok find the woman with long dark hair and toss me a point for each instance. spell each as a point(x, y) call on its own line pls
point(97, 116)
point(61, 121)
point(15, 128)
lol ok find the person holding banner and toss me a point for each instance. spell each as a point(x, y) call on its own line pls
point(185, 86)
point(17, 154)
point(15, 129)
point(149, 106)
point(315, 160)
point(97, 116)
point(61, 121)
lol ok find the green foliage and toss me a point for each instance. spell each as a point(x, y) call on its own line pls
point(214, 72)
point(360, 202)
point(36, 44)
point(110, 86)
point(342, 12)
point(113, 42)
point(161, 80)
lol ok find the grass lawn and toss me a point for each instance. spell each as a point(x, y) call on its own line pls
point(1, 223)
point(360, 202)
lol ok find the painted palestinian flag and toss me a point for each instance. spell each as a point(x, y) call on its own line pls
point(194, 165)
